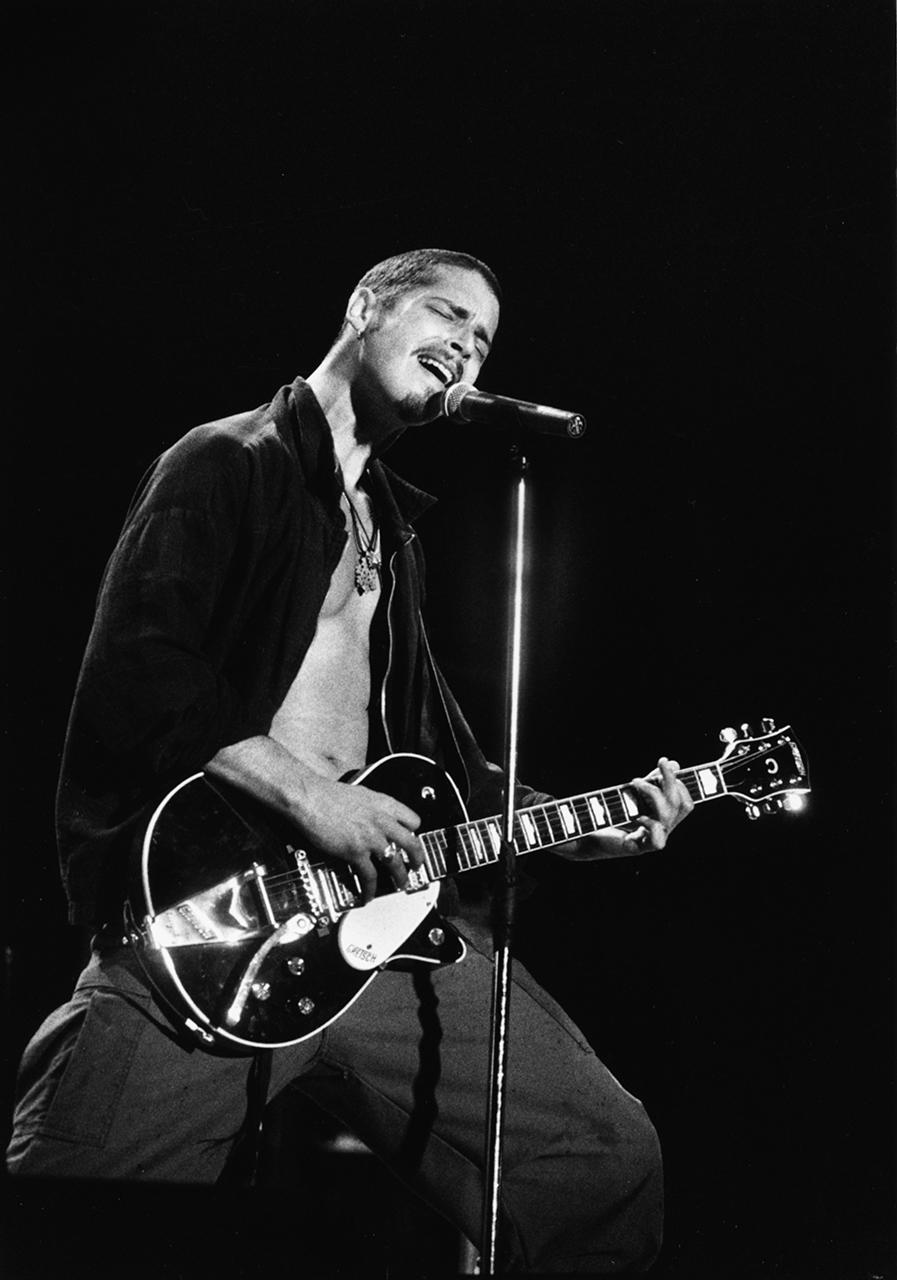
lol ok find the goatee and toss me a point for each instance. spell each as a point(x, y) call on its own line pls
point(376, 422)
point(417, 408)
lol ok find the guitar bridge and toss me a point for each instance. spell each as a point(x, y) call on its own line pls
point(308, 882)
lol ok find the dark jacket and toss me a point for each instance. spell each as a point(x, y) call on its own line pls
point(205, 612)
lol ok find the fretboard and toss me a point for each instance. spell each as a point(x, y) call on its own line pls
point(478, 844)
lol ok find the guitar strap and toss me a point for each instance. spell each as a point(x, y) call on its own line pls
point(241, 1169)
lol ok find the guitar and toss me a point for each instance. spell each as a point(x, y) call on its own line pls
point(253, 942)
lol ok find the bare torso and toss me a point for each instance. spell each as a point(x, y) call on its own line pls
point(324, 717)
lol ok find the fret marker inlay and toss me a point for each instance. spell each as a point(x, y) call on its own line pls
point(709, 782)
point(479, 851)
point(568, 819)
point(598, 813)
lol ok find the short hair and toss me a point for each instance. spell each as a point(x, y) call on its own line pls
point(395, 276)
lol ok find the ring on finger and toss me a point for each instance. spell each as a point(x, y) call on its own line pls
point(390, 852)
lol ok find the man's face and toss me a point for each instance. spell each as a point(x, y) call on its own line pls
point(431, 337)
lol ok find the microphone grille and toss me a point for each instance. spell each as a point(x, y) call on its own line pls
point(453, 397)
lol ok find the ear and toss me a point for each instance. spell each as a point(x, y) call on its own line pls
point(361, 309)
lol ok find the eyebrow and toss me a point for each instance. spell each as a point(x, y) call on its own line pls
point(463, 314)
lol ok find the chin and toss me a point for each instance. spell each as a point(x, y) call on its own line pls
point(415, 409)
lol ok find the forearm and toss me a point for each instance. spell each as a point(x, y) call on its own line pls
point(269, 772)
point(609, 844)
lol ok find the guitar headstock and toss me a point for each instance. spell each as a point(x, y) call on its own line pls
point(766, 771)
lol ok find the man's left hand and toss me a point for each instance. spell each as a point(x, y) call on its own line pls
point(663, 804)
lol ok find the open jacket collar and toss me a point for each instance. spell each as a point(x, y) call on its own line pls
point(399, 503)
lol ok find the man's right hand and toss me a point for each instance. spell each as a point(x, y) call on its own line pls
point(364, 828)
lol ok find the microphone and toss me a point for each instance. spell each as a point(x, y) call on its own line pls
point(467, 404)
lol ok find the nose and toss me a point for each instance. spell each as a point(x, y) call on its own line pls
point(462, 343)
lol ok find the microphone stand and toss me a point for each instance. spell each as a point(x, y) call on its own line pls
point(505, 894)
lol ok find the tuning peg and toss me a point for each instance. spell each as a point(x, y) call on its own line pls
point(746, 731)
point(728, 735)
point(769, 725)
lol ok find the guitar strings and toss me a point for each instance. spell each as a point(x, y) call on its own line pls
point(579, 804)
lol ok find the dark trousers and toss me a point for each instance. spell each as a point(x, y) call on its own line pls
point(108, 1090)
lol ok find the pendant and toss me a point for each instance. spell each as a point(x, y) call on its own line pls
point(367, 572)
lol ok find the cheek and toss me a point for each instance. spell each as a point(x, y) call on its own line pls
point(384, 358)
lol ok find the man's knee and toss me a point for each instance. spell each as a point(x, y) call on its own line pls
point(594, 1203)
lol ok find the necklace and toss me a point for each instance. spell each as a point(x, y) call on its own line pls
point(367, 566)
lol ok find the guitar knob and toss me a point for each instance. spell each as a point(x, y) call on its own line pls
point(769, 725)
point(752, 811)
point(261, 990)
point(746, 731)
point(728, 735)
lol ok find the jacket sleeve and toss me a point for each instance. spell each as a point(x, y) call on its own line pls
point(150, 691)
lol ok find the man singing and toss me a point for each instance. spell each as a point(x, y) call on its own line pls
point(260, 619)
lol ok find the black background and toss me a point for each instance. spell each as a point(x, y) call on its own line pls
point(690, 208)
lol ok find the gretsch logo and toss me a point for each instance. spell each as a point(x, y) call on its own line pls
point(184, 909)
point(362, 953)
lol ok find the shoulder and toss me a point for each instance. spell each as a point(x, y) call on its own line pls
point(217, 461)
point(227, 442)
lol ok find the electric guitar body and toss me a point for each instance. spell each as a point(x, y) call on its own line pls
point(253, 945)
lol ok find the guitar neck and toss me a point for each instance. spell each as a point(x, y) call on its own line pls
point(478, 844)
point(764, 773)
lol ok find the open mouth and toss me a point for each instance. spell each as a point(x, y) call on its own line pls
point(443, 374)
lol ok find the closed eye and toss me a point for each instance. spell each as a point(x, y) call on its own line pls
point(458, 315)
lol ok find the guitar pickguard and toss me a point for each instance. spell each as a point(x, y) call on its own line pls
point(369, 935)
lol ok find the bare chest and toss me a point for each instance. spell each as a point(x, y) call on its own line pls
point(323, 719)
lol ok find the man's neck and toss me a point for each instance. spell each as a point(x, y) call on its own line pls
point(333, 393)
